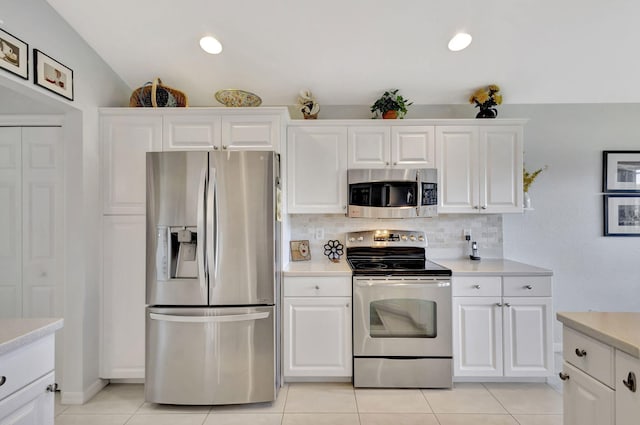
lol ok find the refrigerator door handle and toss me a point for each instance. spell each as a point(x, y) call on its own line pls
point(209, 319)
point(212, 229)
point(202, 192)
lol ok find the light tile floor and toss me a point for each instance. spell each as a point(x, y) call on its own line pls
point(334, 404)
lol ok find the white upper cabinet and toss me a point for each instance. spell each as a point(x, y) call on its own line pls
point(251, 132)
point(190, 132)
point(396, 147)
point(125, 141)
point(317, 170)
point(480, 169)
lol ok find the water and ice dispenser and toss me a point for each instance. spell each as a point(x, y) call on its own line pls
point(177, 252)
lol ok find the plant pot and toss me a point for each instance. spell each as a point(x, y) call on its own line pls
point(390, 115)
point(310, 116)
point(487, 113)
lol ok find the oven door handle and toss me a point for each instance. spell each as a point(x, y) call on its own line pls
point(369, 283)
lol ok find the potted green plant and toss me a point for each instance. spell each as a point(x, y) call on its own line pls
point(390, 105)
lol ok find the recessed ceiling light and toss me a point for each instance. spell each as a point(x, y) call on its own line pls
point(210, 45)
point(459, 41)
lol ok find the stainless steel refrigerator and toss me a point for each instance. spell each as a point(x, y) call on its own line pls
point(212, 277)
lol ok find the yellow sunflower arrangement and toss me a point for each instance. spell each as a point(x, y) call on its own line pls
point(486, 98)
point(528, 178)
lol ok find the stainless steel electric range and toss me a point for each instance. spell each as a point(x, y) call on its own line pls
point(401, 312)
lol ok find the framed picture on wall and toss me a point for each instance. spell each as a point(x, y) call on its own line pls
point(52, 75)
point(300, 250)
point(621, 215)
point(621, 171)
point(14, 55)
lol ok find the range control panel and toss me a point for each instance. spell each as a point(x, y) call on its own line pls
point(376, 238)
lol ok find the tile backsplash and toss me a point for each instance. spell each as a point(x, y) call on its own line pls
point(444, 233)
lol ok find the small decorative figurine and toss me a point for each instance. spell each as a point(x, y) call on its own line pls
point(333, 250)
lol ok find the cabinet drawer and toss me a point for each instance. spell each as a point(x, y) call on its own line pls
point(26, 364)
point(589, 355)
point(527, 286)
point(627, 397)
point(317, 286)
point(477, 286)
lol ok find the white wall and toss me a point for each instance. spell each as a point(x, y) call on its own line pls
point(95, 85)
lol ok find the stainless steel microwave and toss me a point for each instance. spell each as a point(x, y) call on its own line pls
point(393, 193)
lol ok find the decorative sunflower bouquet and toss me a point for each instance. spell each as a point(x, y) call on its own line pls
point(486, 99)
point(307, 104)
point(528, 178)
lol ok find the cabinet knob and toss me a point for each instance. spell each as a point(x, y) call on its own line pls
point(476, 286)
point(317, 287)
point(224, 146)
point(630, 382)
point(476, 207)
point(3, 379)
point(528, 287)
point(347, 306)
point(563, 376)
point(215, 148)
point(395, 163)
point(580, 352)
point(386, 163)
point(344, 207)
point(499, 304)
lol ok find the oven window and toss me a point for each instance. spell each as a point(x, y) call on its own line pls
point(403, 318)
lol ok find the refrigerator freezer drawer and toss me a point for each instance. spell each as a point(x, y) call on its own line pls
point(201, 356)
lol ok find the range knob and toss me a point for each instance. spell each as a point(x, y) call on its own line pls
point(352, 239)
point(403, 237)
point(412, 237)
point(421, 238)
point(360, 238)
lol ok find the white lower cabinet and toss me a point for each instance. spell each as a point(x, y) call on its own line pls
point(317, 327)
point(496, 335)
point(123, 298)
point(627, 389)
point(32, 405)
point(586, 401)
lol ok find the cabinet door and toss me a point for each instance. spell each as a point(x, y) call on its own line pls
point(413, 147)
point(527, 336)
point(123, 297)
point(190, 132)
point(457, 163)
point(477, 336)
point(125, 142)
point(500, 171)
point(369, 147)
point(256, 133)
point(627, 397)
point(585, 400)
point(317, 336)
point(31, 405)
point(317, 170)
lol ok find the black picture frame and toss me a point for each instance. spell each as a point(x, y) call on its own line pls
point(14, 55)
point(621, 171)
point(621, 215)
point(52, 75)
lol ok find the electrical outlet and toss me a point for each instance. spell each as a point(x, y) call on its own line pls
point(319, 233)
point(467, 234)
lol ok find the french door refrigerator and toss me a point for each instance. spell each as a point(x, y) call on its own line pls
point(212, 277)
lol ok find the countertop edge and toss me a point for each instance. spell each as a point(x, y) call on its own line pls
point(599, 334)
point(40, 329)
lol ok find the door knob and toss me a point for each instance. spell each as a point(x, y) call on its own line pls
point(630, 382)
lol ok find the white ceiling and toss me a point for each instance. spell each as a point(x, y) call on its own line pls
point(349, 51)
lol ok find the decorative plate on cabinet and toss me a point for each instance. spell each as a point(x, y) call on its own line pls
point(237, 98)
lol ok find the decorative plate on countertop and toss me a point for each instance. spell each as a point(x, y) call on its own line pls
point(237, 98)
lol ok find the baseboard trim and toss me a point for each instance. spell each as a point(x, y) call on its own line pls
point(72, 397)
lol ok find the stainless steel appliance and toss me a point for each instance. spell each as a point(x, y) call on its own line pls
point(401, 312)
point(212, 277)
point(392, 193)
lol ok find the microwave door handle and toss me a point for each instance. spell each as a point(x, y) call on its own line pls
point(387, 195)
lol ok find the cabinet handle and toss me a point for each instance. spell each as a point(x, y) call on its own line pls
point(580, 352)
point(499, 304)
point(507, 304)
point(224, 147)
point(475, 207)
point(344, 207)
point(630, 382)
point(529, 287)
point(52, 388)
point(484, 207)
point(3, 379)
point(215, 148)
point(476, 286)
point(563, 376)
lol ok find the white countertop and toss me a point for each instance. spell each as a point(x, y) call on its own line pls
point(14, 333)
point(619, 330)
point(318, 268)
point(503, 267)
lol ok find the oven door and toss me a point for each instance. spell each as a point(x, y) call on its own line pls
point(402, 316)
